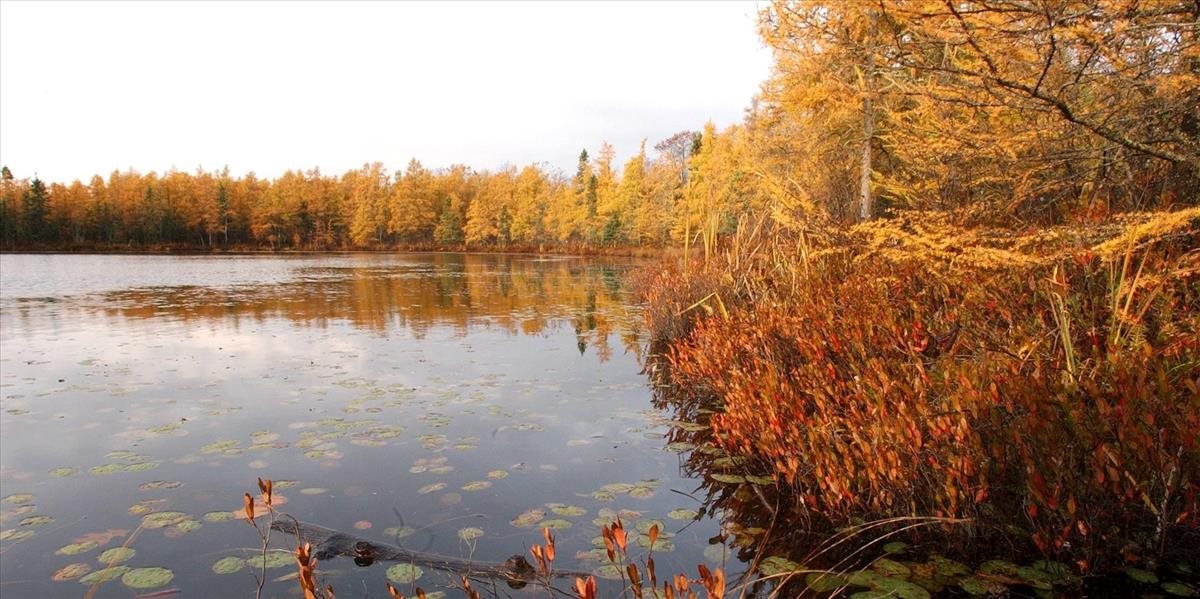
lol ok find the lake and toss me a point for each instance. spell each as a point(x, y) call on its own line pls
point(448, 403)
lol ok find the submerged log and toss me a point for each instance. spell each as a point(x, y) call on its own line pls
point(328, 543)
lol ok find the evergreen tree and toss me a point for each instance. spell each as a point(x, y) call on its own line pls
point(33, 209)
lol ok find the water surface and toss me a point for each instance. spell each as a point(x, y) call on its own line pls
point(427, 400)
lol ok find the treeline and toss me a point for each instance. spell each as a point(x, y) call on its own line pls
point(641, 205)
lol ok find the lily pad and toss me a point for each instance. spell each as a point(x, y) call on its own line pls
point(106, 469)
point(529, 518)
point(889, 567)
point(14, 535)
point(683, 514)
point(896, 587)
point(36, 520)
point(160, 484)
point(228, 565)
point(19, 498)
point(275, 558)
point(478, 485)
point(497, 474)
point(1179, 589)
point(70, 572)
point(555, 524)
point(116, 555)
point(977, 586)
point(777, 565)
point(404, 573)
point(895, 547)
point(470, 533)
point(1140, 575)
point(219, 516)
point(313, 491)
point(431, 488)
point(104, 575)
point(163, 519)
point(563, 509)
point(147, 578)
point(77, 548)
point(399, 532)
point(63, 472)
point(826, 582)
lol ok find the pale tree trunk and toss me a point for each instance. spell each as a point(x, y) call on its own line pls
point(864, 179)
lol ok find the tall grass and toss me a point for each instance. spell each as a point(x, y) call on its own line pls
point(1043, 384)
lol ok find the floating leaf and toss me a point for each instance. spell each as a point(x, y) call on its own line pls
point(104, 575)
point(404, 573)
point(147, 578)
point(76, 548)
point(19, 498)
point(106, 469)
point(116, 555)
point(399, 532)
point(889, 567)
point(36, 520)
point(470, 533)
point(14, 535)
point(431, 489)
point(228, 565)
point(478, 485)
point(572, 511)
point(979, 586)
point(63, 472)
point(163, 519)
point(313, 491)
point(555, 524)
point(895, 547)
point(275, 558)
point(497, 474)
point(825, 582)
point(160, 484)
point(896, 587)
point(1140, 575)
point(1179, 589)
point(529, 517)
point(362, 525)
point(777, 565)
point(219, 516)
point(70, 572)
point(728, 478)
point(641, 492)
point(683, 514)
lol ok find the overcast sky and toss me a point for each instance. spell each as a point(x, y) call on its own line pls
point(88, 88)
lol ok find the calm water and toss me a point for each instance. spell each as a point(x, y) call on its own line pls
point(417, 399)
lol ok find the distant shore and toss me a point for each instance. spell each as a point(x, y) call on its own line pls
point(247, 250)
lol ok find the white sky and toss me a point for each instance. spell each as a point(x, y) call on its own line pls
point(88, 88)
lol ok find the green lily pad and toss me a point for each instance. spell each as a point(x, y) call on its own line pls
point(774, 565)
point(683, 514)
point(116, 555)
point(892, 568)
point(14, 535)
point(70, 572)
point(155, 485)
point(896, 587)
point(731, 479)
point(497, 474)
point(275, 558)
point(603, 496)
point(399, 532)
point(19, 498)
point(1142, 576)
point(313, 491)
point(529, 518)
point(431, 488)
point(404, 573)
point(978, 586)
point(571, 511)
point(36, 520)
point(555, 524)
point(1036, 578)
point(641, 492)
point(478, 485)
point(1000, 567)
point(63, 472)
point(864, 578)
point(948, 568)
point(825, 582)
point(104, 575)
point(228, 565)
point(147, 578)
point(1179, 589)
point(470, 533)
point(77, 548)
point(163, 519)
point(219, 516)
point(895, 547)
point(106, 469)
